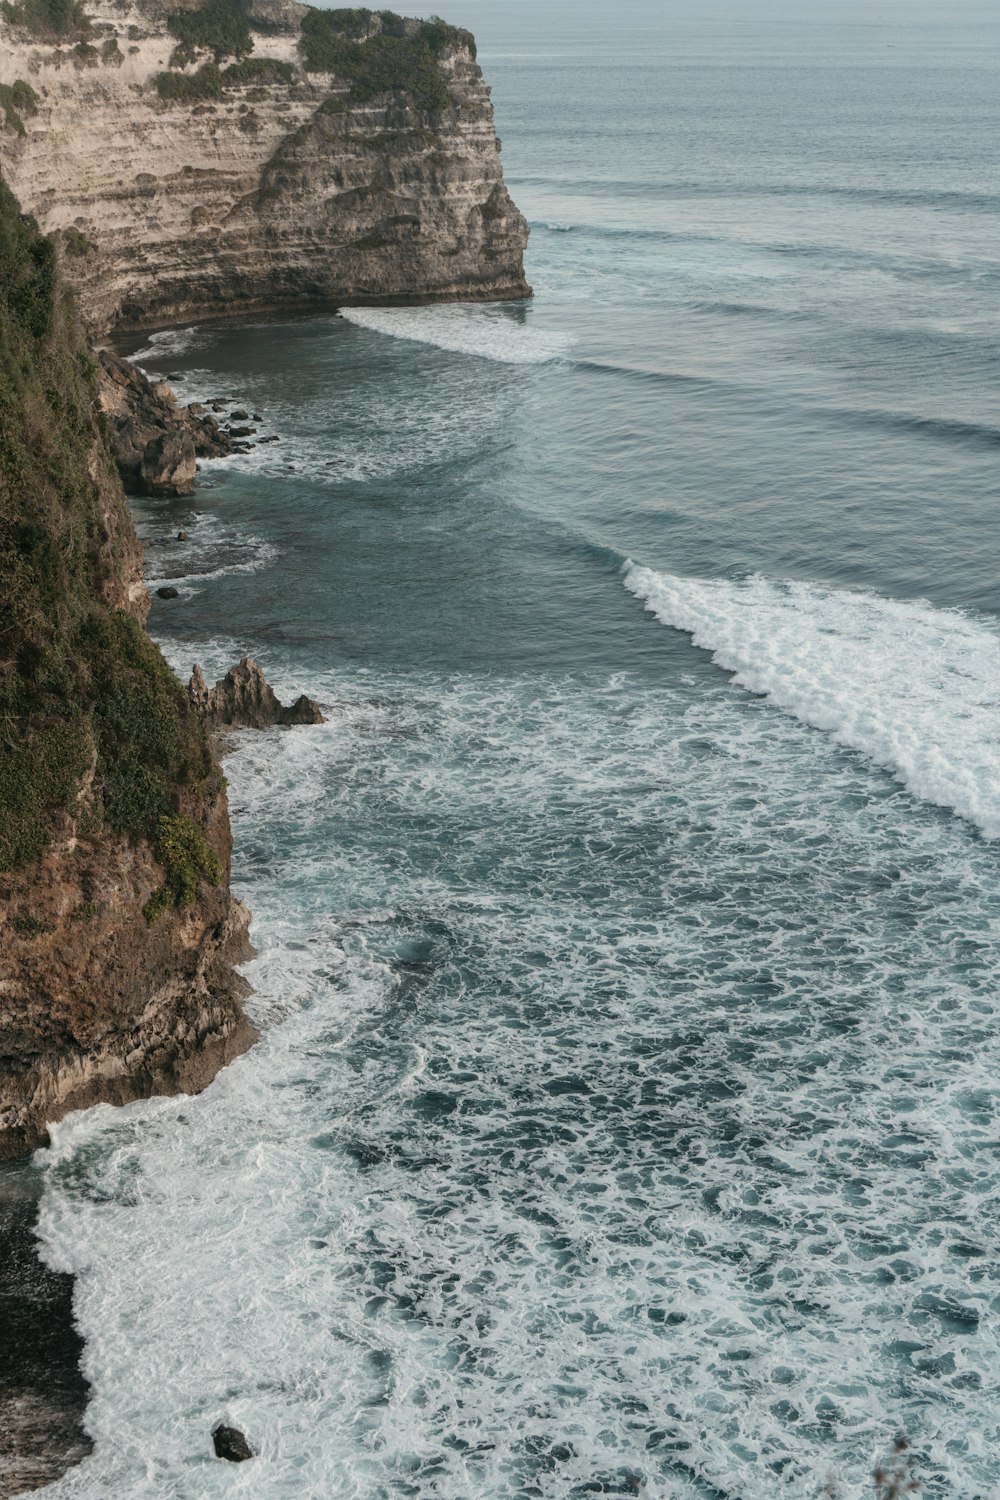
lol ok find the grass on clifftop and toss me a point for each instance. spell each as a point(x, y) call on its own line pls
point(388, 61)
point(92, 721)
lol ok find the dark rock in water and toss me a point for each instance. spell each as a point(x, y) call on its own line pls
point(240, 432)
point(230, 1443)
point(168, 464)
point(154, 440)
point(256, 416)
point(274, 439)
point(168, 593)
point(183, 536)
point(239, 415)
point(175, 375)
point(244, 699)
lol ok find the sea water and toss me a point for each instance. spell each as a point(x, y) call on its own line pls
point(625, 1115)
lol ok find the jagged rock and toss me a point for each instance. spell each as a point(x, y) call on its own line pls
point(239, 416)
point(155, 442)
point(165, 395)
point(244, 699)
point(183, 536)
point(168, 592)
point(168, 464)
point(230, 1443)
point(241, 432)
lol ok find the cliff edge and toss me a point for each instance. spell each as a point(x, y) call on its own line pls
point(118, 933)
point(239, 156)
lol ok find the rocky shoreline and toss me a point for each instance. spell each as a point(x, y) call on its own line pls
point(43, 1392)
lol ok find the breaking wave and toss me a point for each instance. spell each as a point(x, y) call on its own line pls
point(916, 689)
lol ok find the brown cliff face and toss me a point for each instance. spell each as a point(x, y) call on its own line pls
point(96, 1005)
point(118, 934)
point(277, 190)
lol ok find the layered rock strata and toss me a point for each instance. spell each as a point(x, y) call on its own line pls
point(256, 188)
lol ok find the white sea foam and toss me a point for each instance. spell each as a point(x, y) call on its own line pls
point(617, 1129)
point(214, 549)
point(168, 345)
point(915, 688)
point(466, 329)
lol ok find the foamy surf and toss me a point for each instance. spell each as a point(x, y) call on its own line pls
point(167, 345)
point(914, 688)
point(461, 329)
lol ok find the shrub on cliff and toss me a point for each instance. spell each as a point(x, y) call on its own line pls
point(205, 84)
point(221, 25)
point(209, 81)
point(380, 64)
point(16, 100)
point(258, 70)
point(48, 18)
point(93, 724)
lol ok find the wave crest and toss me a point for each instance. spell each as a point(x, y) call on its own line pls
point(914, 688)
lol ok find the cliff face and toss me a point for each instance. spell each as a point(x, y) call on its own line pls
point(275, 162)
point(117, 929)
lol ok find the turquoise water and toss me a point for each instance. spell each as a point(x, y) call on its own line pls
point(625, 1115)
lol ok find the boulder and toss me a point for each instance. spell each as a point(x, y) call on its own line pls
point(140, 414)
point(168, 464)
point(168, 592)
point(244, 699)
point(230, 1443)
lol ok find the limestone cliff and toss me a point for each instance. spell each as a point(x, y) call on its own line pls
point(118, 933)
point(260, 156)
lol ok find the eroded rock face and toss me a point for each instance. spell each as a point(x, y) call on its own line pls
point(272, 196)
point(96, 1004)
point(118, 933)
point(156, 443)
point(244, 699)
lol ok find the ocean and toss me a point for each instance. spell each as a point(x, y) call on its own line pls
point(625, 1115)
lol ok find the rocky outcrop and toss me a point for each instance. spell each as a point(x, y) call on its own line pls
point(118, 932)
point(264, 184)
point(244, 699)
point(156, 443)
point(99, 1005)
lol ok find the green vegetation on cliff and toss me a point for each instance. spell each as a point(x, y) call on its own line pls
point(337, 41)
point(16, 100)
point(94, 727)
point(48, 18)
point(221, 25)
point(210, 80)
